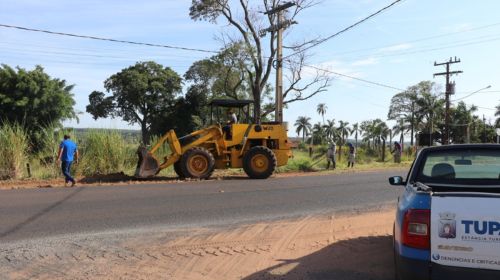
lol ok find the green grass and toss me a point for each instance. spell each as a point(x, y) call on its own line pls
point(301, 162)
point(14, 148)
point(104, 152)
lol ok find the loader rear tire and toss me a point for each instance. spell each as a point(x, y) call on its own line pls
point(197, 163)
point(259, 162)
point(177, 169)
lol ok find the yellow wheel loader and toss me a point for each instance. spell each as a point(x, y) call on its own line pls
point(257, 148)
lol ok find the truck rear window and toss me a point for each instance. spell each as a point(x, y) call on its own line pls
point(461, 166)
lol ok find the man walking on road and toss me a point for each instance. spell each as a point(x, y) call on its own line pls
point(68, 151)
point(330, 156)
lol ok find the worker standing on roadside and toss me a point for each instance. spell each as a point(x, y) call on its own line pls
point(68, 151)
point(397, 152)
point(330, 156)
point(352, 156)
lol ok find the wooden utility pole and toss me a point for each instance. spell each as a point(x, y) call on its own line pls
point(450, 89)
point(278, 115)
point(278, 28)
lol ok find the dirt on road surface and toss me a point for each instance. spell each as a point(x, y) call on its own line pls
point(348, 246)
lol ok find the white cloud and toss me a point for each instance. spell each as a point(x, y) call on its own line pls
point(334, 66)
point(364, 62)
point(460, 27)
point(394, 48)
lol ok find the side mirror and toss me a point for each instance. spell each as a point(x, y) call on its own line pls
point(396, 181)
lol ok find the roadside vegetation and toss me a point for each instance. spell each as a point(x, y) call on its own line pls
point(105, 152)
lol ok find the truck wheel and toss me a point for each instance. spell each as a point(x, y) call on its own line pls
point(259, 162)
point(177, 169)
point(197, 163)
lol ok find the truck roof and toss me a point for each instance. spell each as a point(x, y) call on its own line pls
point(461, 146)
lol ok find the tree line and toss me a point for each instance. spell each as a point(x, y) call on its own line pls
point(417, 111)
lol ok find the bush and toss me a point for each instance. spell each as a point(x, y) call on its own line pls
point(302, 146)
point(14, 146)
point(304, 165)
point(103, 152)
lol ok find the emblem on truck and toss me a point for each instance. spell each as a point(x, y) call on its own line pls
point(447, 227)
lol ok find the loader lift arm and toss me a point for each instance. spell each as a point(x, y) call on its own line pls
point(148, 165)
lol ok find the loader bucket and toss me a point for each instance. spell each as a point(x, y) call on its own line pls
point(147, 166)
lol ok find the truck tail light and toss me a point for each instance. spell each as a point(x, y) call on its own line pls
point(416, 228)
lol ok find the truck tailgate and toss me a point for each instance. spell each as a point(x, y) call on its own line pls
point(465, 230)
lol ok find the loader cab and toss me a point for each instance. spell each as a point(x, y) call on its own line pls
point(242, 108)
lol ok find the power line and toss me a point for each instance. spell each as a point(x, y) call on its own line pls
point(470, 94)
point(355, 78)
point(102, 51)
point(345, 29)
point(104, 39)
point(107, 56)
point(450, 46)
point(486, 108)
point(420, 39)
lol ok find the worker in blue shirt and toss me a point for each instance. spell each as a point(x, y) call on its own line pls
point(68, 151)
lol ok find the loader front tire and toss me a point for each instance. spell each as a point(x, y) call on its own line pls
point(178, 170)
point(197, 163)
point(259, 162)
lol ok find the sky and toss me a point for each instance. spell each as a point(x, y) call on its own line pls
point(397, 48)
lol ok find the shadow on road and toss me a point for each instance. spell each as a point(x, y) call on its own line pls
point(39, 214)
point(355, 259)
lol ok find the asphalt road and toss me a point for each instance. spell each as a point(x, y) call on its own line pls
point(38, 213)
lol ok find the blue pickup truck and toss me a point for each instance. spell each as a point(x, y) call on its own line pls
point(447, 222)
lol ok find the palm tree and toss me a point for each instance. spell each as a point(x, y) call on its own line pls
point(321, 109)
point(401, 128)
point(355, 130)
point(430, 112)
point(462, 117)
point(319, 132)
point(330, 130)
point(303, 125)
point(376, 126)
point(344, 131)
point(384, 132)
point(366, 130)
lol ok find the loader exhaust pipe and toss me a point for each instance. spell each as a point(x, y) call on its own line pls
point(147, 166)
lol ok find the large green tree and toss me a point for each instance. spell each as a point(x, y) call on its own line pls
point(188, 114)
point(410, 106)
point(403, 108)
point(222, 75)
point(260, 52)
point(140, 94)
point(33, 99)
